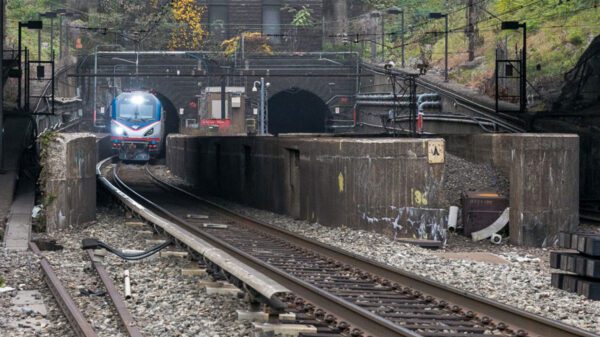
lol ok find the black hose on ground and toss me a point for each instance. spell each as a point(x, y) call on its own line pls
point(97, 244)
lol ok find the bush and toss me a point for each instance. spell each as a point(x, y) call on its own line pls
point(575, 38)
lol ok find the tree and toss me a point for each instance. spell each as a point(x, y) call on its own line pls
point(188, 33)
point(254, 42)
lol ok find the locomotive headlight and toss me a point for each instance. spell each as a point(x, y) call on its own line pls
point(138, 99)
point(149, 132)
point(119, 131)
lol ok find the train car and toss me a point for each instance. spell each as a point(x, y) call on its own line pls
point(137, 126)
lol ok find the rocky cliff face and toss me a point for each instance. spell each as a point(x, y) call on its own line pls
point(581, 89)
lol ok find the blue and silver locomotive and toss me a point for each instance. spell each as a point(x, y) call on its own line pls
point(137, 126)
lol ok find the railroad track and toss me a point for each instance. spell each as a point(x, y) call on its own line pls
point(342, 293)
point(79, 323)
point(507, 122)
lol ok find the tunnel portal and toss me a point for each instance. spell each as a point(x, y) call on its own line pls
point(297, 111)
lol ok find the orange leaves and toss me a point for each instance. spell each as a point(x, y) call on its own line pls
point(254, 42)
point(189, 33)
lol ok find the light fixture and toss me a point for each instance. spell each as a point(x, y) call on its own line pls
point(119, 131)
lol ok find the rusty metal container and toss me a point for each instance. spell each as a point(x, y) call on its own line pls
point(481, 209)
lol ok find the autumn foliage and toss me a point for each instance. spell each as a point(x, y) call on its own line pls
point(254, 42)
point(189, 33)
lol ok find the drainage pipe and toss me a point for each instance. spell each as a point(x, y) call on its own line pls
point(427, 97)
point(430, 105)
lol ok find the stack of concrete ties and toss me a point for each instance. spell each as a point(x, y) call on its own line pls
point(581, 261)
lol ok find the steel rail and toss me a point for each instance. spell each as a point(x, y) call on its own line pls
point(78, 322)
point(476, 107)
point(359, 317)
point(517, 319)
point(124, 315)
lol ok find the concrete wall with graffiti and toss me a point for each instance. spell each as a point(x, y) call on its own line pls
point(392, 186)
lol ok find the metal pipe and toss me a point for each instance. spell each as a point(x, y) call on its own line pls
point(127, 284)
point(379, 96)
point(383, 103)
point(422, 97)
point(424, 105)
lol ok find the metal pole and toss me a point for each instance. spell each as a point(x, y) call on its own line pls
point(39, 41)
point(2, 89)
point(402, 37)
point(26, 79)
point(266, 102)
point(95, 79)
point(20, 69)
point(52, 36)
point(382, 38)
point(262, 106)
point(60, 34)
point(223, 106)
point(446, 52)
point(53, 90)
point(524, 71)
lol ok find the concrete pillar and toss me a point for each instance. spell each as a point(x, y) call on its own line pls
point(544, 187)
point(68, 179)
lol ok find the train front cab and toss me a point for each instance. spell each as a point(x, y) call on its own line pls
point(136, 126)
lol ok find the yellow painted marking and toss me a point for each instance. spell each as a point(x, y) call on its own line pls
point(418, 197)
point(341, 182)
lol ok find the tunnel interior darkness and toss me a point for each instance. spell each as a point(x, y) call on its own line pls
point(296, 111)
point(171, 117)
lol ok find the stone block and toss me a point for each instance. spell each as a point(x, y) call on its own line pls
point(69, 180)
point(544, 182)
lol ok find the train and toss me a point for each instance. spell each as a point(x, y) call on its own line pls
point(137, 126)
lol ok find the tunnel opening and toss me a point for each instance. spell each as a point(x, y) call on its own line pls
point(171, 117)
point(296, 111)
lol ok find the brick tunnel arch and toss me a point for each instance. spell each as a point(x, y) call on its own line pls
point(297, 110)
point(171, 117)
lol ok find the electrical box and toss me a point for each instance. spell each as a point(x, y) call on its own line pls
point(236, 101)
point(481, 209)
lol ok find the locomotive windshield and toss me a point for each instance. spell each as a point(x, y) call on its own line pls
point(137, 108)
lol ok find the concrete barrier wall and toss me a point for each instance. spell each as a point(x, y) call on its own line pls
point(69, 180)
point(387, 185)
point(544, 180)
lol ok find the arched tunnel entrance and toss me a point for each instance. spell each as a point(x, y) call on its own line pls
point(171, 120)
point(171, 117)
point(296, 111)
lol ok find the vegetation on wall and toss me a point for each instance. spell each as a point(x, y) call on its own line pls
point(254, 42)
point(558, 33)
point(302, 15)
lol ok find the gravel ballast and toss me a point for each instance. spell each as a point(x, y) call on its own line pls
point(163, 303)
point(22, 271)
point(522, 280)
